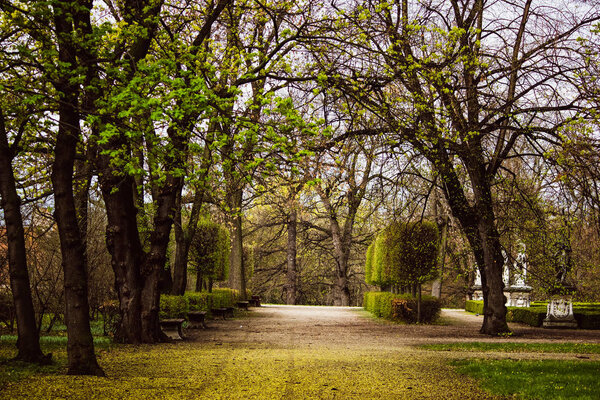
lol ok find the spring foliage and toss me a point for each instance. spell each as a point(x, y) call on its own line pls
point(404, 253)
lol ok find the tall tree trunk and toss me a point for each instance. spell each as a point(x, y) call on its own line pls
point(124, 246)
point(292, 274)
point(28, 341)
point(182, 249)
point(156, 258)
point(237, 273)
point(436, 287)
point(183, 238)
point(80, 343)
point(341, 247)
point(478, 223)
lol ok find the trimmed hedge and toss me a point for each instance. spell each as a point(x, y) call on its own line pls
point(178, 306)
point(199, 301)
point(587, 319)
point(474, 306)
point(173, 306)
point(401, 307)
point(404, 308)
point(586, 314)
point(533, 316)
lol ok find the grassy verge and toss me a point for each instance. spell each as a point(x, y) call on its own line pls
point(540, 379)
point(512, 347)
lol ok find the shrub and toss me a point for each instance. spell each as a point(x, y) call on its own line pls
point(111, 317)
point(533, 316)
point(199, 301)
point(173, 306)
point(589, 319)
point(401, 307)
point(224, 297)
point(474, 306)
point(7, 309)
point(404, 308)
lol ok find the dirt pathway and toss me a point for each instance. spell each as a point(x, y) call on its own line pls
point(351, 327)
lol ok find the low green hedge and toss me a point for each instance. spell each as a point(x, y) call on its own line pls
point(198, 301)
point(586, 314)
point(173, 306)
point(587, 319)
point(533, 316)
point(178, 306)
point(224, 297)
point(474, 306)
point(401, 307)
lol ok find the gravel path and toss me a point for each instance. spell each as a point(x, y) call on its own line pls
point(351, 326)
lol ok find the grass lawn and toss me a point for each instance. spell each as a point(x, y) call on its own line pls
point(513, 347)
point(536, 379)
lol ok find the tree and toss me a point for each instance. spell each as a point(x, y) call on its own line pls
point(437, 78)
point(28, 343)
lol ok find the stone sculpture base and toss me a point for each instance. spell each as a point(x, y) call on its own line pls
point(559, 313)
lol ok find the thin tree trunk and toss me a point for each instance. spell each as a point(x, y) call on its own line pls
point(237, 273)
point(182, 248)
point(184, 238)
point(419, 303)
point(28, 341)
point(436, 287)
point(291, 275)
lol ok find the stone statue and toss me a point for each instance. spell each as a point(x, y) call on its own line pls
point(563, 265)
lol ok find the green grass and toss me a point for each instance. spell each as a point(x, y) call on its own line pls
point(539, 379)
point(512, 347)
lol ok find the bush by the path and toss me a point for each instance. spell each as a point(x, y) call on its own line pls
point(586, 314)
point(474, 306)
point(173, 306)
point(401, 307)
point(178, 306)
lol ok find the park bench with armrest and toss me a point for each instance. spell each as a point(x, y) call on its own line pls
point(172, 327)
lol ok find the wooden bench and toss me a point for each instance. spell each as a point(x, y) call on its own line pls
point(243, 305)
point(218, 312)
point(196, 319)
point(229, 312)
point(255, 301)
point(172, 328)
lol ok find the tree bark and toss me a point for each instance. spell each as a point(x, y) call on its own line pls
point(436, 287)
point(155, 260)
point(478, 223)
point(182, 248)
point(124, 246)
point(237, 273)
point(28, 341)
point(183, 238)
point(292, 274)
point(80, 344)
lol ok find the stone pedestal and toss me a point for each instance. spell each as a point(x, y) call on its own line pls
point(518, 296)
point(559, 313)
